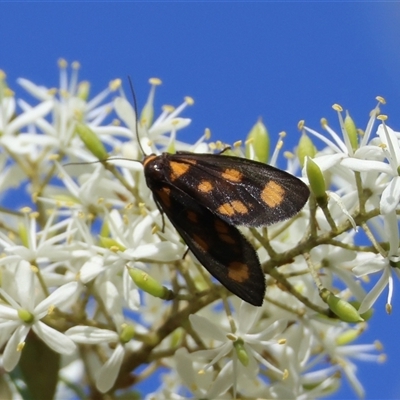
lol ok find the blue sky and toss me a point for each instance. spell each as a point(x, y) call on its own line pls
point(282, 61)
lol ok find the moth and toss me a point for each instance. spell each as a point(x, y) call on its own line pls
point(206, 196)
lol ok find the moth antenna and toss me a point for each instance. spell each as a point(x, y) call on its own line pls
point(136, 114)
point(85, 162)
point(100, 161)
point(135, 108)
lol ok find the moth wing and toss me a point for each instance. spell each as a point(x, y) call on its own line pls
point(219, 246)
point(241, 191)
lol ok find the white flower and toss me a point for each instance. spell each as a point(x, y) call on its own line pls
point(338, 263)
point(335, 341)
point(167, 122)
point(51, 124)
point(252, 344)
point(391, 194)
point(376, 262)
point(45, 249)
point(299, 383)
point(95, 189)
point(25, 312)
point(339, 160)
point(199, 381)
point(108, 373)
point(340, 150)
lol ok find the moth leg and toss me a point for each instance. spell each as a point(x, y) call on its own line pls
point(162, 215)
point(185, 253)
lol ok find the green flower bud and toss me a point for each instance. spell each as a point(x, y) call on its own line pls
point(92, 142)
point(317, 182)
point(348, 336)
point(171, 149)
point(365, 316)
point(149, 284)
point(127, 333)
point(343, 309)
point(105, 230)
point(305, 148)
point(330, 388)
point(177, 336)
point(241, 352)
point(351, 130)
point(23, 235)
point(3, 85)
point(258, 139)
point(147, 114)
point(109, 243)
point(83, 90)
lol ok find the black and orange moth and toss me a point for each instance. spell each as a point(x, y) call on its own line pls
point(206, 196)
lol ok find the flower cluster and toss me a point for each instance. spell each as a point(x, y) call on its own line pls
point(98, 281)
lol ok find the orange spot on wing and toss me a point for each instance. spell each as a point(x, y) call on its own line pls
point(222, 229)
point(178, 169)
point(192, 216)
point(232, 208)
point(273, 194)
point(227, 239)
point(238, 271)
point(221, 226)
point(232, 175)
point(205, 186)
point(200, 242)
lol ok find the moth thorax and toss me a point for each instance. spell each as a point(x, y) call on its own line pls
point(154, 167)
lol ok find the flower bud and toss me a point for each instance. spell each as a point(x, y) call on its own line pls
point(348, 336)
point(367, 314)
point(23, 235)
point(317, 182)
point(109, 243)
point(305, 148)
point(149, 284)
point(258, 138)
point(351, 131)
point(343, 309)
point(127, 333)
point(241, 352)
point(83, 90)
point(147, 114)
point(92, 142)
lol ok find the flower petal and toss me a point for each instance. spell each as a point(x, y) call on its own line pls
point(12, 353)
point(109, 371)
point(390, 196)
point(371, 297)
point(55, 340)
point(206, 328)
point(57, 298)
point(91, 335)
